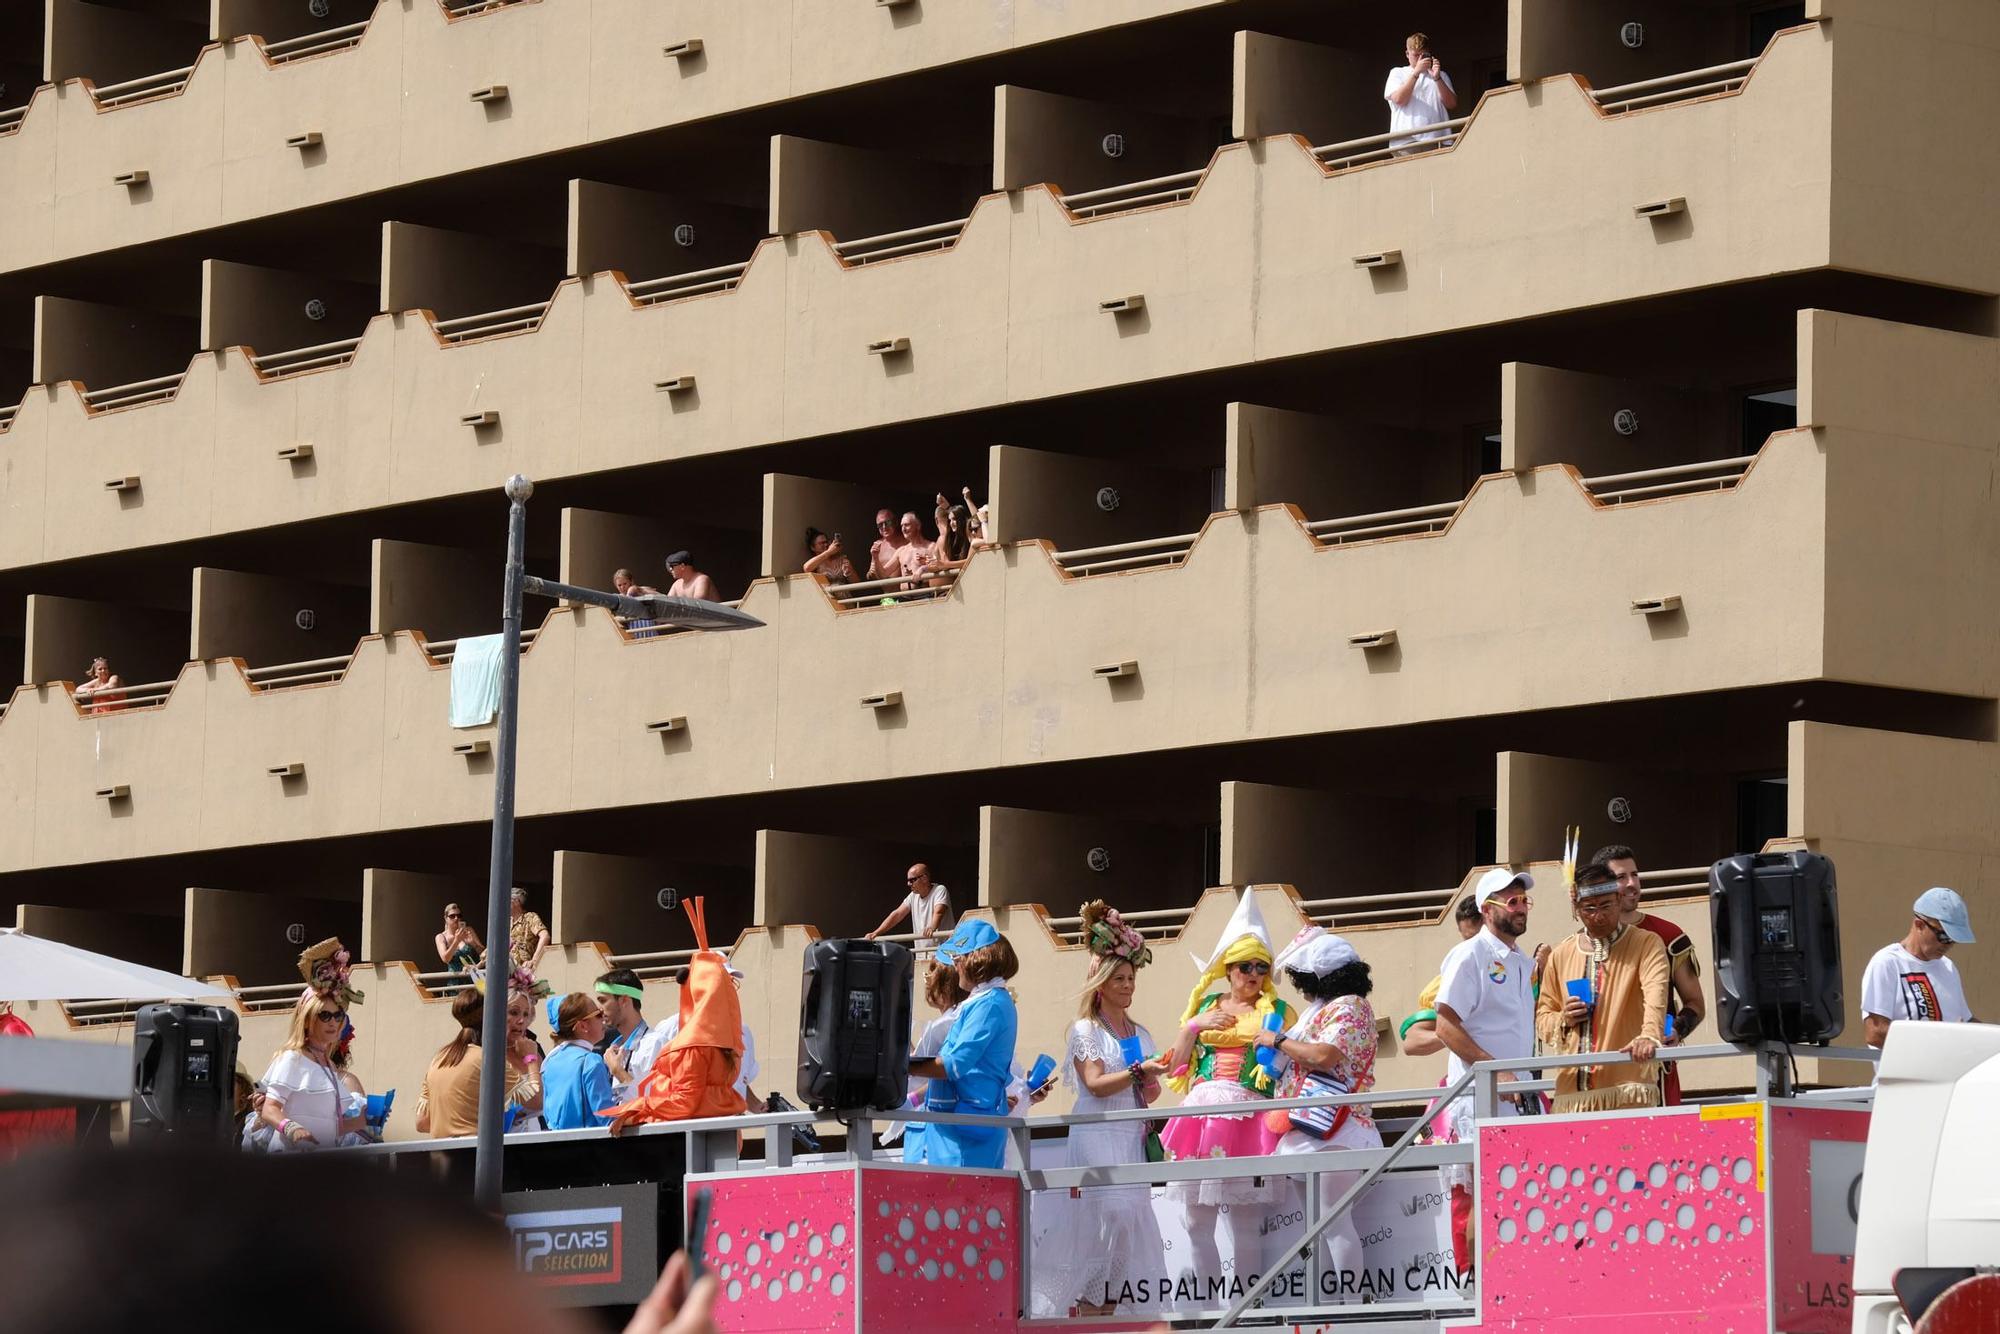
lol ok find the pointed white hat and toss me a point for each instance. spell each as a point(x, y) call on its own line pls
point(1245, 921)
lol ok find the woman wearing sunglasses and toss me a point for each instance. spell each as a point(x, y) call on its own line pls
point(302, 1090)
point(1215, 1062)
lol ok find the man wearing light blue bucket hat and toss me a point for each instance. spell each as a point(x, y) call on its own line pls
point(1914, 978)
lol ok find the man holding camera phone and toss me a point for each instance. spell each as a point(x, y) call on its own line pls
point(1419, 94)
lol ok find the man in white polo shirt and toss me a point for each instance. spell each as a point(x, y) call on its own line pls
point(1913, 979)
point(1419, 94)
point(1486, 1012)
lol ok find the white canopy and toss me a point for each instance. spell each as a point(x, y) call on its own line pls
point(33, 969)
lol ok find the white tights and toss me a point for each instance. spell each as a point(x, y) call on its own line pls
point(1206, 1223)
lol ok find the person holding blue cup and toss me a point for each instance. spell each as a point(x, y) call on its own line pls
point(1606, 990)
point(1100, 1244)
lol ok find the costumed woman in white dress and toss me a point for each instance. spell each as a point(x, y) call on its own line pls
point(303, 1093)
point(1104, 1245)
point(1332, 1051)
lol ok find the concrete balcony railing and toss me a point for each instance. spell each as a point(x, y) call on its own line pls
point(385, 101)
point(1300, 638)
point(1259, 264)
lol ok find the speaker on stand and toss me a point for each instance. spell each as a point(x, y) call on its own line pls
point(1776, 923)
point(854, 1026)
point(184, 1073)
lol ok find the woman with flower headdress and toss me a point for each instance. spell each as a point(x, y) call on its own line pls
point(1331, 1050)
point(303, 1092)
point(1100, 1245)
point(695, 1076)
point(524, 1053)
point(1215, 1062)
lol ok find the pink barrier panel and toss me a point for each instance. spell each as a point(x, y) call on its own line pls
point(866, 1247)
point(1656, 1220)
point(1816, 1155)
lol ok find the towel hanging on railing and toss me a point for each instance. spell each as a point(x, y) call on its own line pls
point(475, 681)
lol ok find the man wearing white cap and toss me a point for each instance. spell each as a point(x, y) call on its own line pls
point(1486, 1012)
point(1913, 978)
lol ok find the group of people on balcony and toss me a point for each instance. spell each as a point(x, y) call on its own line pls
point(901, 551)
point(688, 582)
point(460, 950)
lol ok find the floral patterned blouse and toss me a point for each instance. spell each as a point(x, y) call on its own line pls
point(1348, 1024)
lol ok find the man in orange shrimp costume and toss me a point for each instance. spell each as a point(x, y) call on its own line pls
point(695, 1076)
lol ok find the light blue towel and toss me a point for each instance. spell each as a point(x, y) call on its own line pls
point(475, 681)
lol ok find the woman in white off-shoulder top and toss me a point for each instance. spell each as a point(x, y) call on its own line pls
point(1103, 1244)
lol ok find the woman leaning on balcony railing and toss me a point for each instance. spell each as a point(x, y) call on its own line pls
point(102, 691)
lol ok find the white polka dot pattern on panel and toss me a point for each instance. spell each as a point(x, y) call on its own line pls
point(929, 1244)
point(1659, 1204)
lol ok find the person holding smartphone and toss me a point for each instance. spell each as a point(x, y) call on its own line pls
point(1419, 94)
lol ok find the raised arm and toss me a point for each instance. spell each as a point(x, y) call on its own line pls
point(901, 911)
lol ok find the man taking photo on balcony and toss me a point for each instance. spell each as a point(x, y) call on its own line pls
point(1686, 1005)
point(1419, 94)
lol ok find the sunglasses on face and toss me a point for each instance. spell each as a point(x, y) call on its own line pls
point(913, 879)
point(332, 1016)
point(451, 917)
point(1516, 902)
point(1254, 967)
point(1938, 931)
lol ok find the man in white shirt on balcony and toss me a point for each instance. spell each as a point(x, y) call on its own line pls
point(927, 905)
point(1419, 94)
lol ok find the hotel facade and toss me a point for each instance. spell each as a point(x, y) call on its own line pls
point(1360, 513)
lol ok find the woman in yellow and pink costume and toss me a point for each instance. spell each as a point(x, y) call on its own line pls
point(1215, 1063)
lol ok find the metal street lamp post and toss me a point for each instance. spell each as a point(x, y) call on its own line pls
point(692, 613)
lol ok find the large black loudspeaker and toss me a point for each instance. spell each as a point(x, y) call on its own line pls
point(184, 1072)
point(1777, 947)
point(854, 1028)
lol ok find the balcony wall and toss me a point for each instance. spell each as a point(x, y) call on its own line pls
point(394, 109)
point(1933, 826)
point(1487, 615)
point(1257, 266)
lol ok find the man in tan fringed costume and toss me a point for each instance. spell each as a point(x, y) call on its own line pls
point(1629, 979)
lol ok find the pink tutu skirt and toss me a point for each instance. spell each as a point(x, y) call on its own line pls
point(1225, 1135)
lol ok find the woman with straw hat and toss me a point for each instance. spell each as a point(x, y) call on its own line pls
point(1100, 1247)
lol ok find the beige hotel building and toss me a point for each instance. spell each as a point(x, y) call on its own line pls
point(1359, 517)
